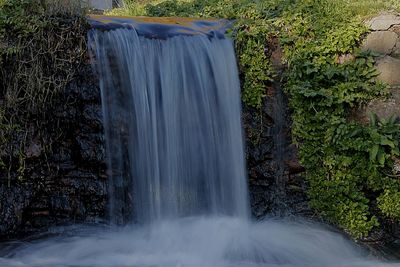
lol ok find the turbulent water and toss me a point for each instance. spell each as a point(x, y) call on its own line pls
point(196, 242)
point(176, 164)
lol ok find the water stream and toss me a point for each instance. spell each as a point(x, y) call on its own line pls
point(172, 110)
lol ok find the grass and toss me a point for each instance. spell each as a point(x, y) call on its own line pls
point(361, 8)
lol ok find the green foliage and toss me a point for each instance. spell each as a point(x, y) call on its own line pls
point(253, 28)
point(327, 77)
point(389, 203)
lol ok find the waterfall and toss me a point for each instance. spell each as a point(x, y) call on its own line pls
point(171, 109)
point(172, 122)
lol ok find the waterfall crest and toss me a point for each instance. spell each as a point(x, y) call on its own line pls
point(172, 123)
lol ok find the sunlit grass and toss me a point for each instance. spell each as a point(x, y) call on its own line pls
point(360, 8)
point(135, 7)
point(367, 8)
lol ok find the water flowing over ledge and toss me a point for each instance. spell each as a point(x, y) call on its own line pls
point(162, 28)
point(172, 119)
point(171, 111)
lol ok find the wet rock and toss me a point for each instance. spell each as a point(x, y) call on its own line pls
point(93, 116)
point(261, 203)
point(263, 173)
point(91, 93)
point(63, 154)
point(34, 149)
point(271, 160)
point(261, 151)
point(61, 202)
point(69, 185)
point(294, 166)
point(382, 42)
point(13, 201)
point(90, 187)
point(383, 22)
point(91, 148)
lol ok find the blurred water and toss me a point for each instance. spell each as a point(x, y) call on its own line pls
point(172, 121)
point(196, 242)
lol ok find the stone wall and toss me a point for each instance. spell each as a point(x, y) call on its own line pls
point(65, 179)
point(384, 40)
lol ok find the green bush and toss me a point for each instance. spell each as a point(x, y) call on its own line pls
point(346, 161)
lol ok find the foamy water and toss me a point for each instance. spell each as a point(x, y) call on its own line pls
point(196, 242)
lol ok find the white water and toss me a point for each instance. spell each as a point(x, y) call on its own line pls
point(197, 242)
point(172, 119)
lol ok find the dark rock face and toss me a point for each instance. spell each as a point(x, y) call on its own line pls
point(276, 183)
point(67, 172)
point(65, 179)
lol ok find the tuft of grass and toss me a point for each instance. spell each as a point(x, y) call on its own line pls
point(65, 7)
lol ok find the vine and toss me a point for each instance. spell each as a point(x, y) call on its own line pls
point(41, 43)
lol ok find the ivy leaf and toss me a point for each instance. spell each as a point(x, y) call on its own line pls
point(387, 142)
point(373, 152)
point(392, 120)
point(355, 132)
point(373, 118)
point(381, 156)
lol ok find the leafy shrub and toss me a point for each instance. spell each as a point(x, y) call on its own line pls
point(346, 162)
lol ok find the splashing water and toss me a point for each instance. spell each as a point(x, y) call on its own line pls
point(197, 242)
point(172, 123)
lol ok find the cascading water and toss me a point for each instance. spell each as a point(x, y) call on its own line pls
point(172, 120)
point(172, 117)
